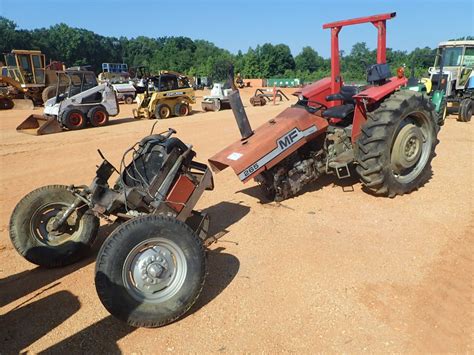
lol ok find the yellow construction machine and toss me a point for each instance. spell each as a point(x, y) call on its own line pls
point(26, 79)
point(167, 94)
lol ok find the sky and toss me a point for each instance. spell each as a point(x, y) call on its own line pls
point(235, 25)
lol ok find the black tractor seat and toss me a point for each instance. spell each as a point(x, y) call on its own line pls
point(341, 111)
point(346, 94)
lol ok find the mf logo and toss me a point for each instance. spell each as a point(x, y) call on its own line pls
point(288, 139)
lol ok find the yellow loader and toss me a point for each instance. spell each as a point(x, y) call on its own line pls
point(168, 94)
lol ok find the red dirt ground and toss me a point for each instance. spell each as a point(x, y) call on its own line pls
point(334, 269)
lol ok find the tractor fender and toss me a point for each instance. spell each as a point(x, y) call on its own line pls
point(270, 143)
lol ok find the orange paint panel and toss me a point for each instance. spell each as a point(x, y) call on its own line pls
point(180, 193)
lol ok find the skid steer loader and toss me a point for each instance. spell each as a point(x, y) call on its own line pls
point(168, 94)
point(79, 101)
point(218, 99)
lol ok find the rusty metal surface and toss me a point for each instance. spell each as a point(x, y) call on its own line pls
point(39, 125)
point(266, 140)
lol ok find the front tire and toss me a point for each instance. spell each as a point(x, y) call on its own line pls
point(162, 111)
point(397, 144)
point(29, 228)
point(150, 271)
point(74, 119)
point(465, 110)
point(443, 112)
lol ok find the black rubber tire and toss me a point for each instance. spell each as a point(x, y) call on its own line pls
point(162, 111)
point(70, 119)
point(465, 110)
point(181, 109)
point(98, 116)
point(6, 104)
point(48, 93)
point(378, 134)
point(128, 100)
point(41, 253)
point(111, 287)
point(443, 112)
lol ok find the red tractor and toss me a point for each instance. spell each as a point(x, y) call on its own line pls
point(387, 132)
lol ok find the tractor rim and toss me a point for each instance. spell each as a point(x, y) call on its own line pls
point(100, 117)
point(154, 270)
point(42, 220)
point(411, 148)
point(75, 119)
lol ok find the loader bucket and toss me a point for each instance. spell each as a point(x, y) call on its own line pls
point(23, 104)
point(39, 125)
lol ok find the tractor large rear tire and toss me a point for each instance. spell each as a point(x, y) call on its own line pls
point(48, 93)
point(150, 271)
point(29, 223)
point(397, 144)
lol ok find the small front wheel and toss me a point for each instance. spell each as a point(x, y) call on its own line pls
point(150, 271)
point(34, 238)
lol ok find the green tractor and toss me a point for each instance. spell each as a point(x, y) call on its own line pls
point(451, 81)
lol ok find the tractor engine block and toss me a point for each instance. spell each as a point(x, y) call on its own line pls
point(289, 177)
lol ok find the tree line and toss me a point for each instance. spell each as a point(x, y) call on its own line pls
point(77, 46)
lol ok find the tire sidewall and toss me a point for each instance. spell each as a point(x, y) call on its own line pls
point(373, 148)
point(179, 107)
point(91, 115)
point(39, 253)
point(110, 260)
point(158, 109)
point(426, 170)
point(465, 107)
point(67, 117)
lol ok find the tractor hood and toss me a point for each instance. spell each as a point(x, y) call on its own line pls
point(270, 143)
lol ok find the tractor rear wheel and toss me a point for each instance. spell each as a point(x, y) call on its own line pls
point(162, 111)
point(31, 230)
point(48, 93)
point(465, 110)
point(397, 144)
point(150, 271)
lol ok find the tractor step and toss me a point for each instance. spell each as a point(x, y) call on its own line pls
point(341, 164)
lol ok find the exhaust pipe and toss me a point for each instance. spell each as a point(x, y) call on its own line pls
point(238, 108)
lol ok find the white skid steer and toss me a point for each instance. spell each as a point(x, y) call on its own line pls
point(218, 99)
point(78, 102)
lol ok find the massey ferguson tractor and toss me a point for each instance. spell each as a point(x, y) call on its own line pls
point(387, 132)
point(151, 269)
